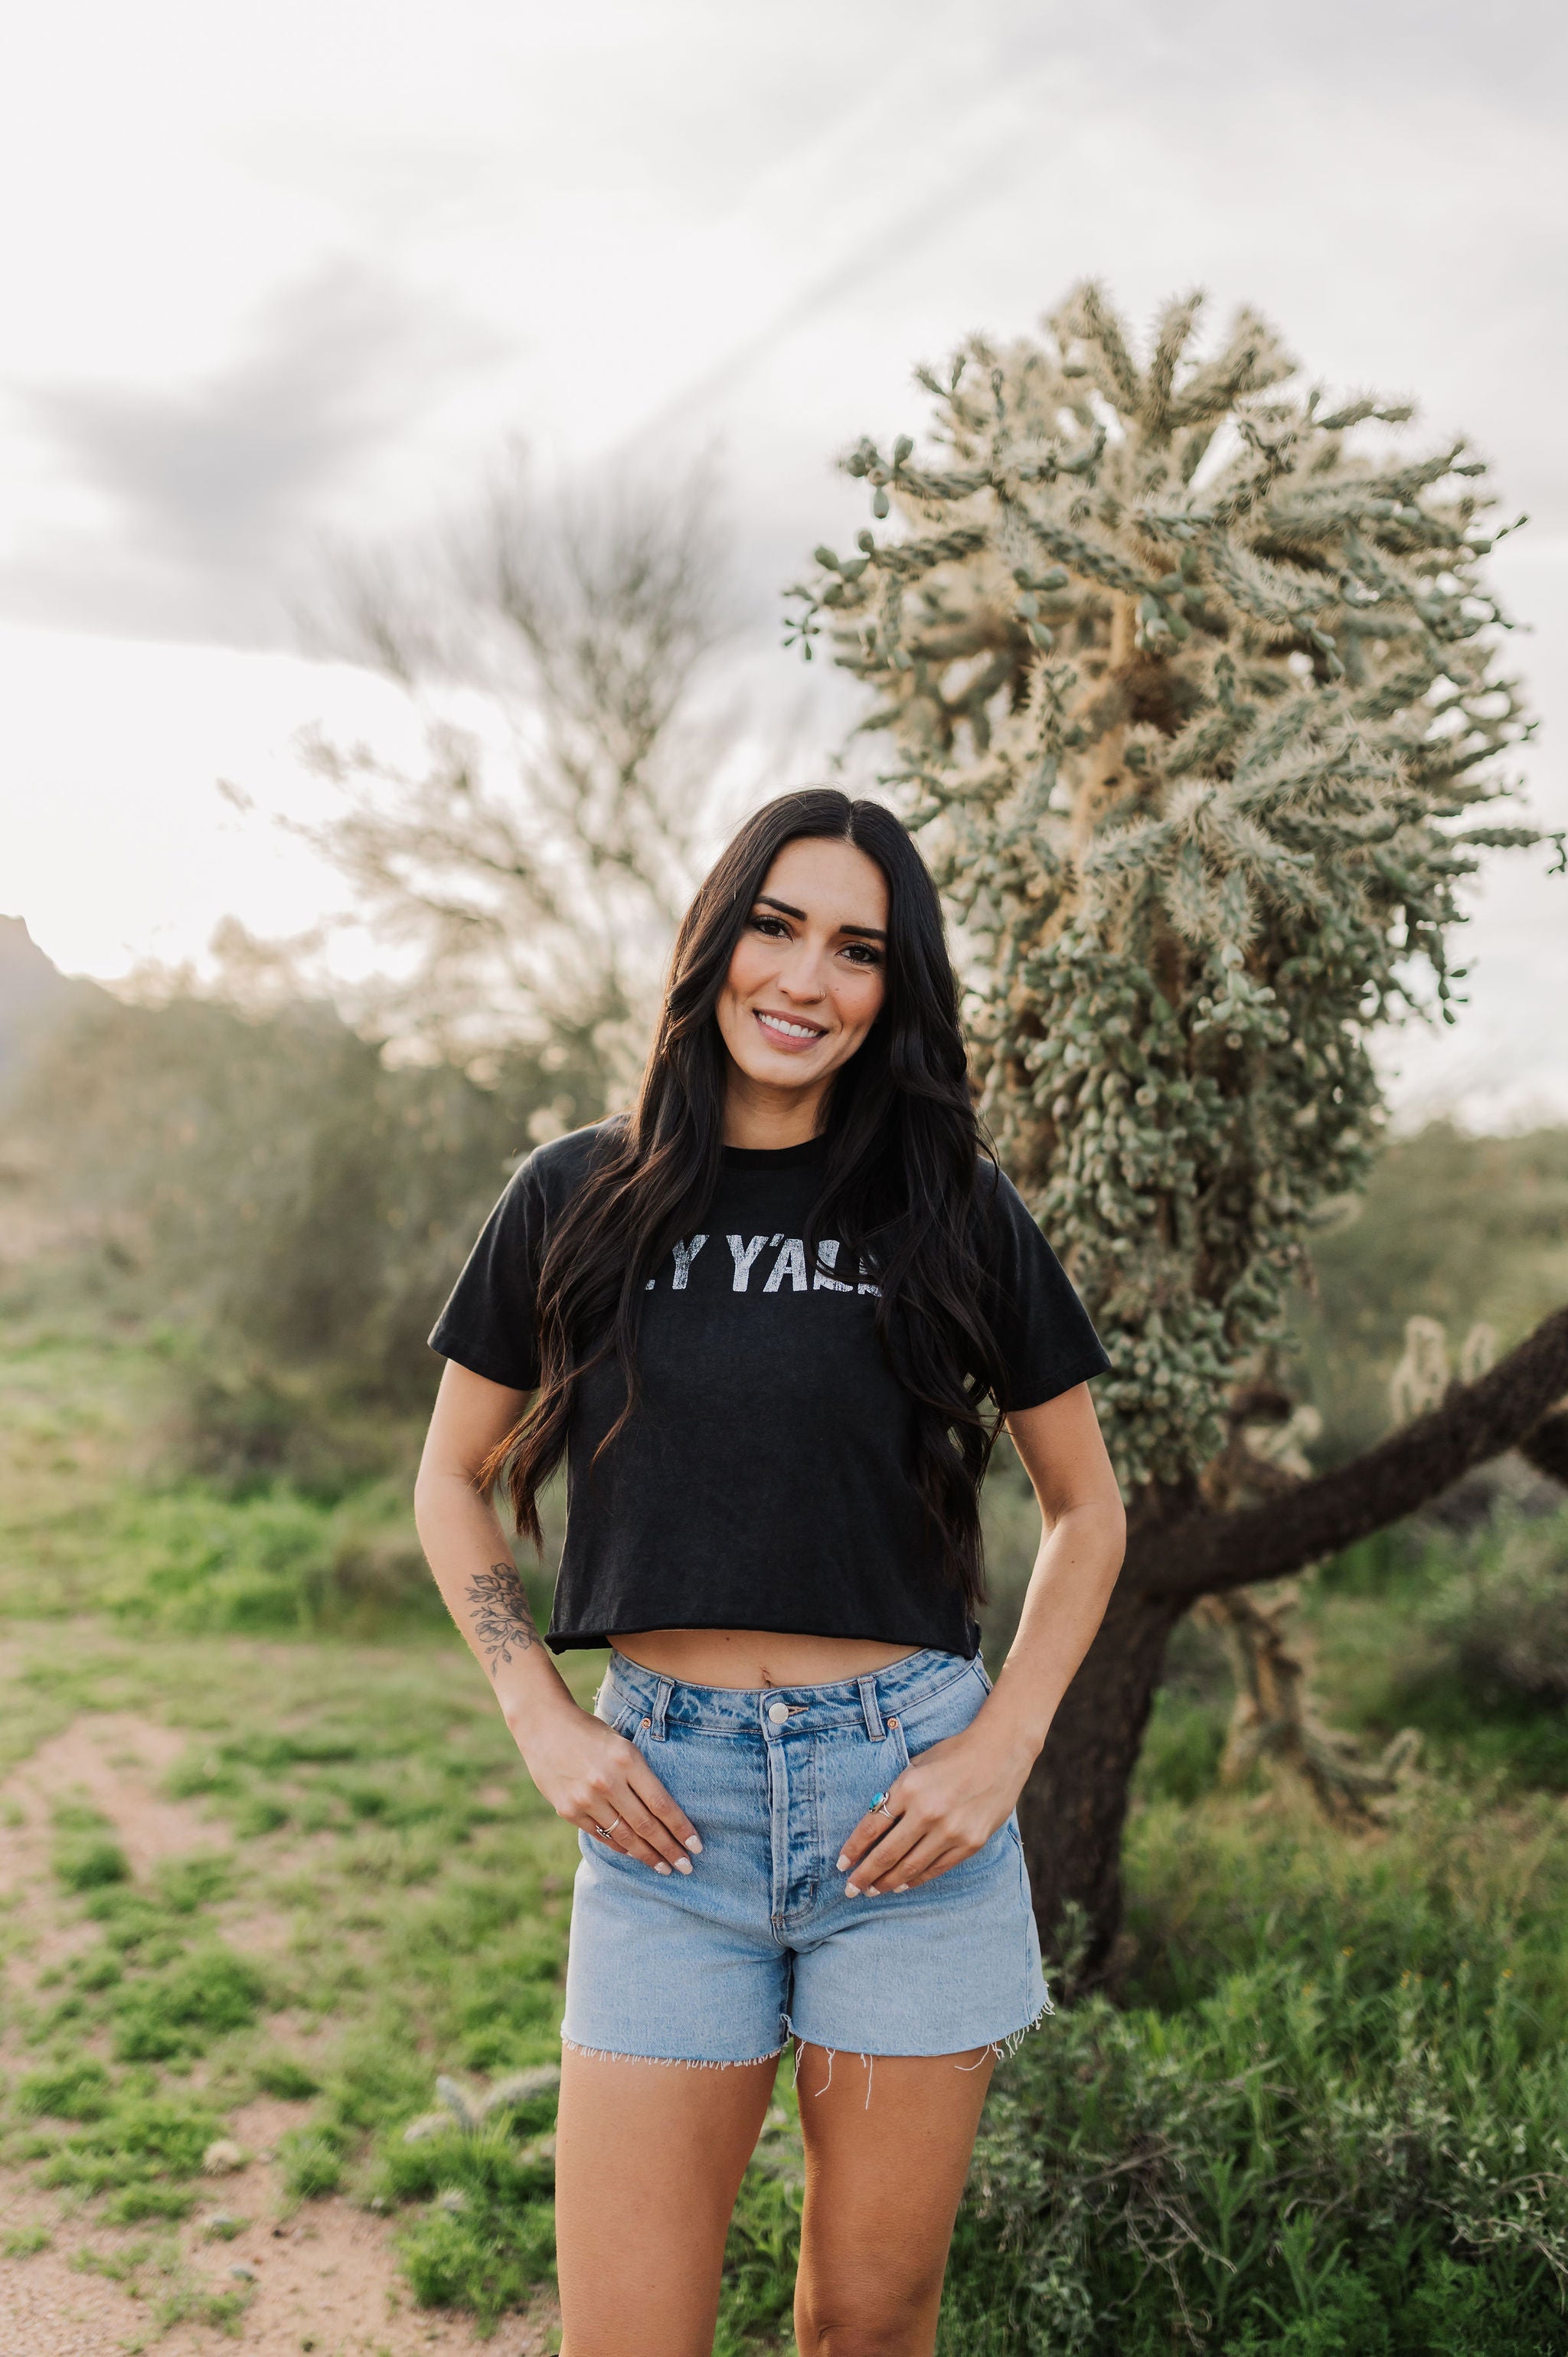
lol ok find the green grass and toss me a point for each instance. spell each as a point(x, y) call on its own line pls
point(95, 1517)
point(1326, 2120)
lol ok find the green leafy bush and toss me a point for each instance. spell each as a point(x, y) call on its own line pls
point(196, 1560)
point(191, 2001)
point(86, 1854)
point(1288, 2161)
point(26, 2242)
point(287, 2077)
point(143, 2138)
point(311, 2161)
point(86, 1863)
point(483, 2255)
point(78, 2089)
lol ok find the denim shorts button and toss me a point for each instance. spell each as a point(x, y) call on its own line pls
point(778, 1712)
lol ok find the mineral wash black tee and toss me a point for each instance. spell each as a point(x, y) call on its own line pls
point(765, 1479)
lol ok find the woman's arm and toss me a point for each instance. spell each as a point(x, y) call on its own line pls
point(590, 1775)
point(948, 1802)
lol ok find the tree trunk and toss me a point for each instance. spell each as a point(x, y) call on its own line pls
point(1072, 1811)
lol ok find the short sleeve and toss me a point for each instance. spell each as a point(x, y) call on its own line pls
point(1047, 1342)
point(489, 1325)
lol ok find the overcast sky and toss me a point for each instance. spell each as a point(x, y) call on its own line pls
point(278, 279)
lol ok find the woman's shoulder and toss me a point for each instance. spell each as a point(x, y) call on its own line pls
point(993, 1190)
point(557, 1169)
point(1005, 1225)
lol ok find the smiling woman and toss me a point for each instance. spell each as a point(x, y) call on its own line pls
point(772, 1319)
point(806, 982)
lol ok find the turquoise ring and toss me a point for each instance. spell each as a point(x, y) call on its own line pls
point(879, 1805)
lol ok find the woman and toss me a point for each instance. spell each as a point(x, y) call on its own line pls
point(770, 1319)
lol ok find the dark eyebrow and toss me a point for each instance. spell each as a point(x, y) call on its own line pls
point(861, 933)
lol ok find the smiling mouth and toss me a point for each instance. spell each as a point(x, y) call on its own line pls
point(785, 1026)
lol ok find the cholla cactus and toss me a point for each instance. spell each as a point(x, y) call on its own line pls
point(1194, 688)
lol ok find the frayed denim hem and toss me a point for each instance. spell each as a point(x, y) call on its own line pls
point(996, 2049)
point(668, 2061)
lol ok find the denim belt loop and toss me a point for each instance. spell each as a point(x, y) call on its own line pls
point(662, 1693)
point(874, 1726)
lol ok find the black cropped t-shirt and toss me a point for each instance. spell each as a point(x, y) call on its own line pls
point(766, 1479)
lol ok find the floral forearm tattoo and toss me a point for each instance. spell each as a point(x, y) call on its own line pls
point(503, 1620)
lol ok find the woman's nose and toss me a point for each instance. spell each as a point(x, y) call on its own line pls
point(801, 975)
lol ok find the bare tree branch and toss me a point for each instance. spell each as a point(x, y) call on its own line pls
point(1547, 1446)
point(531, 884)
point(1205, 1556)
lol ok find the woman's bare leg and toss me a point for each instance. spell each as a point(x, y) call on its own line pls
point(649, 2159)
point(883, 2181)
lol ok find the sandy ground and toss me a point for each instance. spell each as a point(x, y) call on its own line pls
point(322, 2276)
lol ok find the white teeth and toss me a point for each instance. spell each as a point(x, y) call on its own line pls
point(794, 1031)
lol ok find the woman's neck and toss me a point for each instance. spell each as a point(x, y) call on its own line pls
point(763, 1119)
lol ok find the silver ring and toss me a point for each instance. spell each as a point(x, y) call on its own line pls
point(879, 1807)
point(604, 1832)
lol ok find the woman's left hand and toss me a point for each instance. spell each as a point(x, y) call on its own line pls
point(944, 1807)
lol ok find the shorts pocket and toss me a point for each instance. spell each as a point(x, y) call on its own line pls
point(949, 1711)
point(620, 1717)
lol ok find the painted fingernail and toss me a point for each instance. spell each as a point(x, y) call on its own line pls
point(843, 1865)
point(695, 1845)
point(659, 1867)
point(852, 1890)
point(899, 1887)
point(683, 1866)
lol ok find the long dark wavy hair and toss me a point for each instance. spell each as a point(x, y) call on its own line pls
point(901, 1186)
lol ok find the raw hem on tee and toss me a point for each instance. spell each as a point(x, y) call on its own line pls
point(563, 1641)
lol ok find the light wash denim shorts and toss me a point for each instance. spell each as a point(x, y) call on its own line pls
point(760, 1943)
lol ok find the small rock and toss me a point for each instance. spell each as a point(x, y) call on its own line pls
point(222, 2156)
point(242, 2272)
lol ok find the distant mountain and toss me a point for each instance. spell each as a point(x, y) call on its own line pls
point(33, 995)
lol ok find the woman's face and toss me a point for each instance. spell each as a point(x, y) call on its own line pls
point(809, 974)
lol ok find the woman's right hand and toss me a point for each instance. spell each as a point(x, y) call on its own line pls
point(602, 1784)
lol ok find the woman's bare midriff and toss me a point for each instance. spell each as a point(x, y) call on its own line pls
point(753, 1657)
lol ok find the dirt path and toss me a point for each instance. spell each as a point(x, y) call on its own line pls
point(319, 2278)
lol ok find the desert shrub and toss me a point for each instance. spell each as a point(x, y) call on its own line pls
point(87, 1861)
point(1457, 1227)
point(196, 1560)
point(242, 1425)
point(482, 2256)
point(311, 2162)
point(1501, 1620)
point(142, 2137)
point(276, 1183)
point(287, 2077)
point(485, 2178)
point(181, 2008)
point(86, 1854)
point(135, 2204)
point(1284, 2163)
point(77, 2088)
